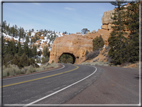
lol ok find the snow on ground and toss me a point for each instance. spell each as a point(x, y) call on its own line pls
point(59, 34)
point(39, 64)
point(33, 34)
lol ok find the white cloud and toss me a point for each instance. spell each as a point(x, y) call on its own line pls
point(36, 3)
point(68, 8)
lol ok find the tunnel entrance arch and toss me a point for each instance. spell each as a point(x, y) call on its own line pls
point(67, 58)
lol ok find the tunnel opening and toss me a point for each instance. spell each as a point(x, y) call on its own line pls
point(67, 58)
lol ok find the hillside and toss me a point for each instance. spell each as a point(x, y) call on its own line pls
point(41, 39)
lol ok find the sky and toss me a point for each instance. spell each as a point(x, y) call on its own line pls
point(60, 17)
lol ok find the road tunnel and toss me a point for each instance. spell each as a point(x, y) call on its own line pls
point(67, 58)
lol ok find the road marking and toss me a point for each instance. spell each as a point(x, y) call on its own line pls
point(40, 78)
point(34, 74)
point(59, 90)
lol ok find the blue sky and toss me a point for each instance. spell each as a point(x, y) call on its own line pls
point(70, 17)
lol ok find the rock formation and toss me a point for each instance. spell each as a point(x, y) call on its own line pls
point(78, 44)
point(72, 44)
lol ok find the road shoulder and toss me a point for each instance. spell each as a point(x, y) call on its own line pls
point(116, 85)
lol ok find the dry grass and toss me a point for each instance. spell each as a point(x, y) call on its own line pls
point(12, 70)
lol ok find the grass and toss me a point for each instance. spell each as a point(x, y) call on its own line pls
point(13, 70)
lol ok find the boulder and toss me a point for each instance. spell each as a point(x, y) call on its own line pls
point(104, 27)
point(106, 19)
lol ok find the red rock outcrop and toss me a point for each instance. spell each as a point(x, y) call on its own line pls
point(73, 44)
point(78, 44)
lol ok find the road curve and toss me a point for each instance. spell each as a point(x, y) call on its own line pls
point(29, 88)
point(115, 85)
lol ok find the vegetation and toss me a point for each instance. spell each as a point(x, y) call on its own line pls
point(84, 30)
point(92, 55)
point(45, 51)
point(45, 60)
point(98, 43)
point(66, 58)
point(19, 58)
point(124, 49)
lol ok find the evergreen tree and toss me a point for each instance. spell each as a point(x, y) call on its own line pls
point(45, 51)
point(98, 43)
point(12, 31)
point(133, 25)
point(3, 26)
point(26, 49)
point(30, 53)
point(20, 50)
point(24, 60)
point(16, 30)
point(84, 30)
point(117, 41)
point(27, 39)
point(11, 48)
point(34, 51)
point(4, 48)
point(16, 61)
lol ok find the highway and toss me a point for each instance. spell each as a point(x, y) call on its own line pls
point(29, 88)
point(73, 84)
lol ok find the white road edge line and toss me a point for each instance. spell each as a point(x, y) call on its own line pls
point(59, 90)
point(34, 74)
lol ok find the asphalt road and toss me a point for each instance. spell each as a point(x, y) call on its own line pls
point(115, 85)
point(29, 88)
point(74, 84)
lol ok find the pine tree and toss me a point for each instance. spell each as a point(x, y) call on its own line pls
point(20, 50)
point(27, 39)
point(24, 60)
point(11, 48)
point(34, 51)
point(30, 53)
point(117, 41)
point(26, 49)
point(133, 25)
point(4, 48)
point(45, 51)
point(3, 26)
point(16, 61)
point(98, 43)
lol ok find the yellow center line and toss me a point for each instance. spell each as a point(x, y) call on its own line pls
point(40, 78)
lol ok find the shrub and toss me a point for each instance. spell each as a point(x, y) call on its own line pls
point(24, 60)
point(23, 71)
point(16, 61)
point(3, 67)
point(7, 59)
point(98, 43)
point(86, 53)
point(38, 60)
point(5, 72)
point(46, 59)
point(96, 60)
point(39, 69)
point(11, 70)
point(92, 55)
point(54, 65)
point(30, 69)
